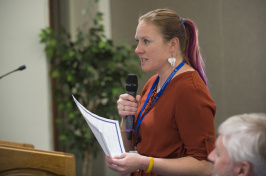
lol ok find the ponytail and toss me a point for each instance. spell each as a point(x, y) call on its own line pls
point(193, 51)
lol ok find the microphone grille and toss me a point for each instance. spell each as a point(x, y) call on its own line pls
point(132, 79)
point(132, 83)
point(22, 67)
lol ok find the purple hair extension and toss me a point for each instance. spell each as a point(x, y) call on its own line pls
point(193, 51)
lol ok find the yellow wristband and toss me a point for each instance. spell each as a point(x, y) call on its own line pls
point(150, 165)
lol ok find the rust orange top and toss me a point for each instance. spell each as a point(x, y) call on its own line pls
point(180, 123)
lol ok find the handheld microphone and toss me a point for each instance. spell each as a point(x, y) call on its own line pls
point(131, 89)
point(22, 67)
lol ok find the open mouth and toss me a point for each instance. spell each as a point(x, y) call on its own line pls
point(143, 60)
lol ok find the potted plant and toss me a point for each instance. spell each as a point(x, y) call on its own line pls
point(93, 70)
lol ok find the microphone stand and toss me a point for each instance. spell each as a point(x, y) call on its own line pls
point(22, 67)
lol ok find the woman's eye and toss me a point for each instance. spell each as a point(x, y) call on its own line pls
point(146, 41)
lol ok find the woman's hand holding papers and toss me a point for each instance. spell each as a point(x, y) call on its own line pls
point(127, 163)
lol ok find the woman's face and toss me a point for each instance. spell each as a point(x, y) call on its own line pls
point(152, 50)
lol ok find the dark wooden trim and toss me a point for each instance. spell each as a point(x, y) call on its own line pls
point(52, 81)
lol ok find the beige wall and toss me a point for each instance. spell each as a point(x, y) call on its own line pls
point(78, 15)
point(25, 104)
point(232, 41)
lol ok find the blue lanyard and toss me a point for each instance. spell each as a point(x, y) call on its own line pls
point(157, 96)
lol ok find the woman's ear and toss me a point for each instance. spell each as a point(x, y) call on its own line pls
point(174, 44)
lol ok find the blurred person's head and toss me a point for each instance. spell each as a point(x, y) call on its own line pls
point(241, 146)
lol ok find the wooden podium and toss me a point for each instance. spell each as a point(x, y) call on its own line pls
point(22, 159)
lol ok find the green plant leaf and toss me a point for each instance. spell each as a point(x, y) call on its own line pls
point(71, 115)
point(63, 138)
point(55, 73)
point(70, 78)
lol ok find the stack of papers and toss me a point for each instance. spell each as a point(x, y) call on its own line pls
point(106, 131)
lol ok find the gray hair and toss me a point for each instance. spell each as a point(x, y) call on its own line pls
point(244, 137)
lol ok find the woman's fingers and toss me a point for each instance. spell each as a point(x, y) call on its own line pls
point(125, 164)
point(127, 105)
